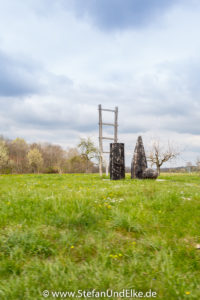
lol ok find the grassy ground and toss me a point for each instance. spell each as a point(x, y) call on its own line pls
point(80, 232)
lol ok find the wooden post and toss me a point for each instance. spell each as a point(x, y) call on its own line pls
point(117, 161)
point(106, 166)
point(100, 142)
point(116, 125)
point(101, 137)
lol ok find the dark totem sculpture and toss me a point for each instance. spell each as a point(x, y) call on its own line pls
point(117, 161)
point(139, 168)
point(139, 161)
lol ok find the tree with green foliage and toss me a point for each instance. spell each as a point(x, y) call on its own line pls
point(3, 155)
point(35, 159)
point(88, 151)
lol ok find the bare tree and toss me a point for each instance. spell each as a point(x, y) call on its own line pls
point(54, 157)
point(160, 154)
point(18, 150)
point(72, 152)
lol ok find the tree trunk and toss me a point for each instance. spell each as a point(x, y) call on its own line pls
point(87, 165)
point(158, 169)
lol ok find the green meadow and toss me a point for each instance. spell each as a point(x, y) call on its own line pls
point(82, 232)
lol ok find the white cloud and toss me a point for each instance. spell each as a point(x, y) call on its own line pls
point(151, 73)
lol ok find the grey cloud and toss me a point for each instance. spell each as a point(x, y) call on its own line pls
point(183, 125)
point(170, 89)
point(151, 104)
point(17, 78)
point(55, 124)
point(50, 115)
point(120, 14)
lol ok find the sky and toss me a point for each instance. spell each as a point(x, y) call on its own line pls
point(59, 59)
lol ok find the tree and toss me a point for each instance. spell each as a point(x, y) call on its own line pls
point(198, 163)
point(18, 150)
point(35, 159)
point(159, 154)
point(73, 163)
point(54, 158)
point(88, 151)
point(78, 164)
point(3, 155)
point(72, 152)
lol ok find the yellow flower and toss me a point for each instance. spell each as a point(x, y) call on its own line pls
point(120, 254)
point(133, 243)
point(115, 256)
point(72, 247)
point(187, 293)
point(8, 203)
point(109, 206)
point(159, 211)
point(111, 255)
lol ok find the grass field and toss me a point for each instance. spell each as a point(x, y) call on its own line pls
point(80, 232)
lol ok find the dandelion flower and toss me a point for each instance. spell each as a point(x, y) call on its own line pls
point(187, 293)
point(72, 247)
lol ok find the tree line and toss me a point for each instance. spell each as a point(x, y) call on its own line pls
point(17, 157)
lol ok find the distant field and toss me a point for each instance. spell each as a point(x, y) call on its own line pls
point(80, 232)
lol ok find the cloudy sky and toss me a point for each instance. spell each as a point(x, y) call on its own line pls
point(59, 59)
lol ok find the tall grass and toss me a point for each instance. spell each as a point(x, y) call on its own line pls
point(81, 232)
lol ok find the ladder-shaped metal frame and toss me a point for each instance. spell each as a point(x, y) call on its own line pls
point(101, 137)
